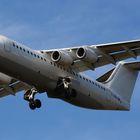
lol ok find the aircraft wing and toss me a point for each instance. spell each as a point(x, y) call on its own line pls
point(13, 88)
point(107, 54)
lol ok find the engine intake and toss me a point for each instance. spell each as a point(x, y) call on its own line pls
point(86, 54)
point(55, 56)
point(61, 57)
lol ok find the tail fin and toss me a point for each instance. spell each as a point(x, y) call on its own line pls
point(123, 78)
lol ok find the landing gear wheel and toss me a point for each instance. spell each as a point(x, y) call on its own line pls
point(32, 105)
point(37, 103)
point(30, 97)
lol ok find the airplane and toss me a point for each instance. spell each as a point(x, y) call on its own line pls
point(60, 74)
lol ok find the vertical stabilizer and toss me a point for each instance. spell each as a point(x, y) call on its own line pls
point(123, 78)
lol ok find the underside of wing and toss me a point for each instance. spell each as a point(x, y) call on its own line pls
point(88, 57)
point(13, 88)
point(115, 52)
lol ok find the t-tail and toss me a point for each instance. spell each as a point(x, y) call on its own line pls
point(123, 78)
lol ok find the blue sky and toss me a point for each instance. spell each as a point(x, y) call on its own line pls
point(47, 24)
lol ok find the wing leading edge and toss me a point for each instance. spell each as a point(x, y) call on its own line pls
point(109, 53)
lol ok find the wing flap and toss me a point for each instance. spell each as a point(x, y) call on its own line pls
point(119, 46)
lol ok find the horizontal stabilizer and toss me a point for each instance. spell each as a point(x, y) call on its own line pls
point(105, 76)
point(133, 65)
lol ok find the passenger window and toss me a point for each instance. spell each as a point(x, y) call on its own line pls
point(13, 44)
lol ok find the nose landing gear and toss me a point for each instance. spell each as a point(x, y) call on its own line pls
point(30, 97)
point(35, 104)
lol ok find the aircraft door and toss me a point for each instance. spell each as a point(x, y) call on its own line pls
point(7, 46)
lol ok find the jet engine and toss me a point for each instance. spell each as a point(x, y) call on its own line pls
point(86, 54)
point(61, 57)
point(5, 79)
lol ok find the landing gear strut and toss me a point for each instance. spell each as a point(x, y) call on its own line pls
point(64, 87)
point(30, 97)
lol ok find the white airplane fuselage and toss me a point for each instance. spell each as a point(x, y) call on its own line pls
point(35, 69)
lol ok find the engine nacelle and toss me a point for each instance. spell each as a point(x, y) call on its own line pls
point(5, 79)
point(61, 57)
point(86, 54)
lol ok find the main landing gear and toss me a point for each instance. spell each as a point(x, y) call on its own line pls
point(30, 97)
point(64, 88)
